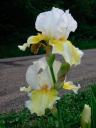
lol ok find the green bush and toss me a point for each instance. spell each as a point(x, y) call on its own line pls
point(18, 19)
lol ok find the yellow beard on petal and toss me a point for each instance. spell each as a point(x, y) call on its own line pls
point(58, 44)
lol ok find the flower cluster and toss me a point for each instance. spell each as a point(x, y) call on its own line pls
point(47, 76)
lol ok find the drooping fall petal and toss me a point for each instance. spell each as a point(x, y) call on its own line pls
point(33, 40)
point(36, 39)
point(70, 86)
point(71, 54)
point(23, 47)
point(42, 99)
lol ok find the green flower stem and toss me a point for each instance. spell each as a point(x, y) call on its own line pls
point(50, 61)
point(52, 74)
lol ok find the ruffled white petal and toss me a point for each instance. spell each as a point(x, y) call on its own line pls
point(41, 63)
point(45, 78)
point(56, 23)
point(38, 75)
point(73, 24)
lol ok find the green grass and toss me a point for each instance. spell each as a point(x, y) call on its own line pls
point(69, 109)
point(11, 50)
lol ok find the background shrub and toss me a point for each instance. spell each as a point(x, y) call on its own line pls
point(17, 19)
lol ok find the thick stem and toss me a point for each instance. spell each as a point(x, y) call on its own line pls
point(52, 74)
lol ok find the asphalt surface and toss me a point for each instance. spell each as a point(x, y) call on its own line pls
point(12, 77)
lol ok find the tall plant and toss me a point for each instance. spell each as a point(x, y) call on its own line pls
point(46, 76)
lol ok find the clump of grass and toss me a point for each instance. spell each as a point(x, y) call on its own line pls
point(69, 109)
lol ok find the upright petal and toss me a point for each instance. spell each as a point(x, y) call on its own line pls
point(45, 78)
point(71, 25)
point(56, 23)
point(38, 75)
point(43, 22)
point(41, 63)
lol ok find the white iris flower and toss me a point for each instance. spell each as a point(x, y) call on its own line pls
point(41, 88)
point(55, 27)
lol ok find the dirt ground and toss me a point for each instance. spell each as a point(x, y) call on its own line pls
point(12, 77)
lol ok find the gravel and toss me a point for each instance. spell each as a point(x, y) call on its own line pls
point(12, 77)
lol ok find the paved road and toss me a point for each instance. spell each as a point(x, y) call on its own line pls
point(12, 76)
